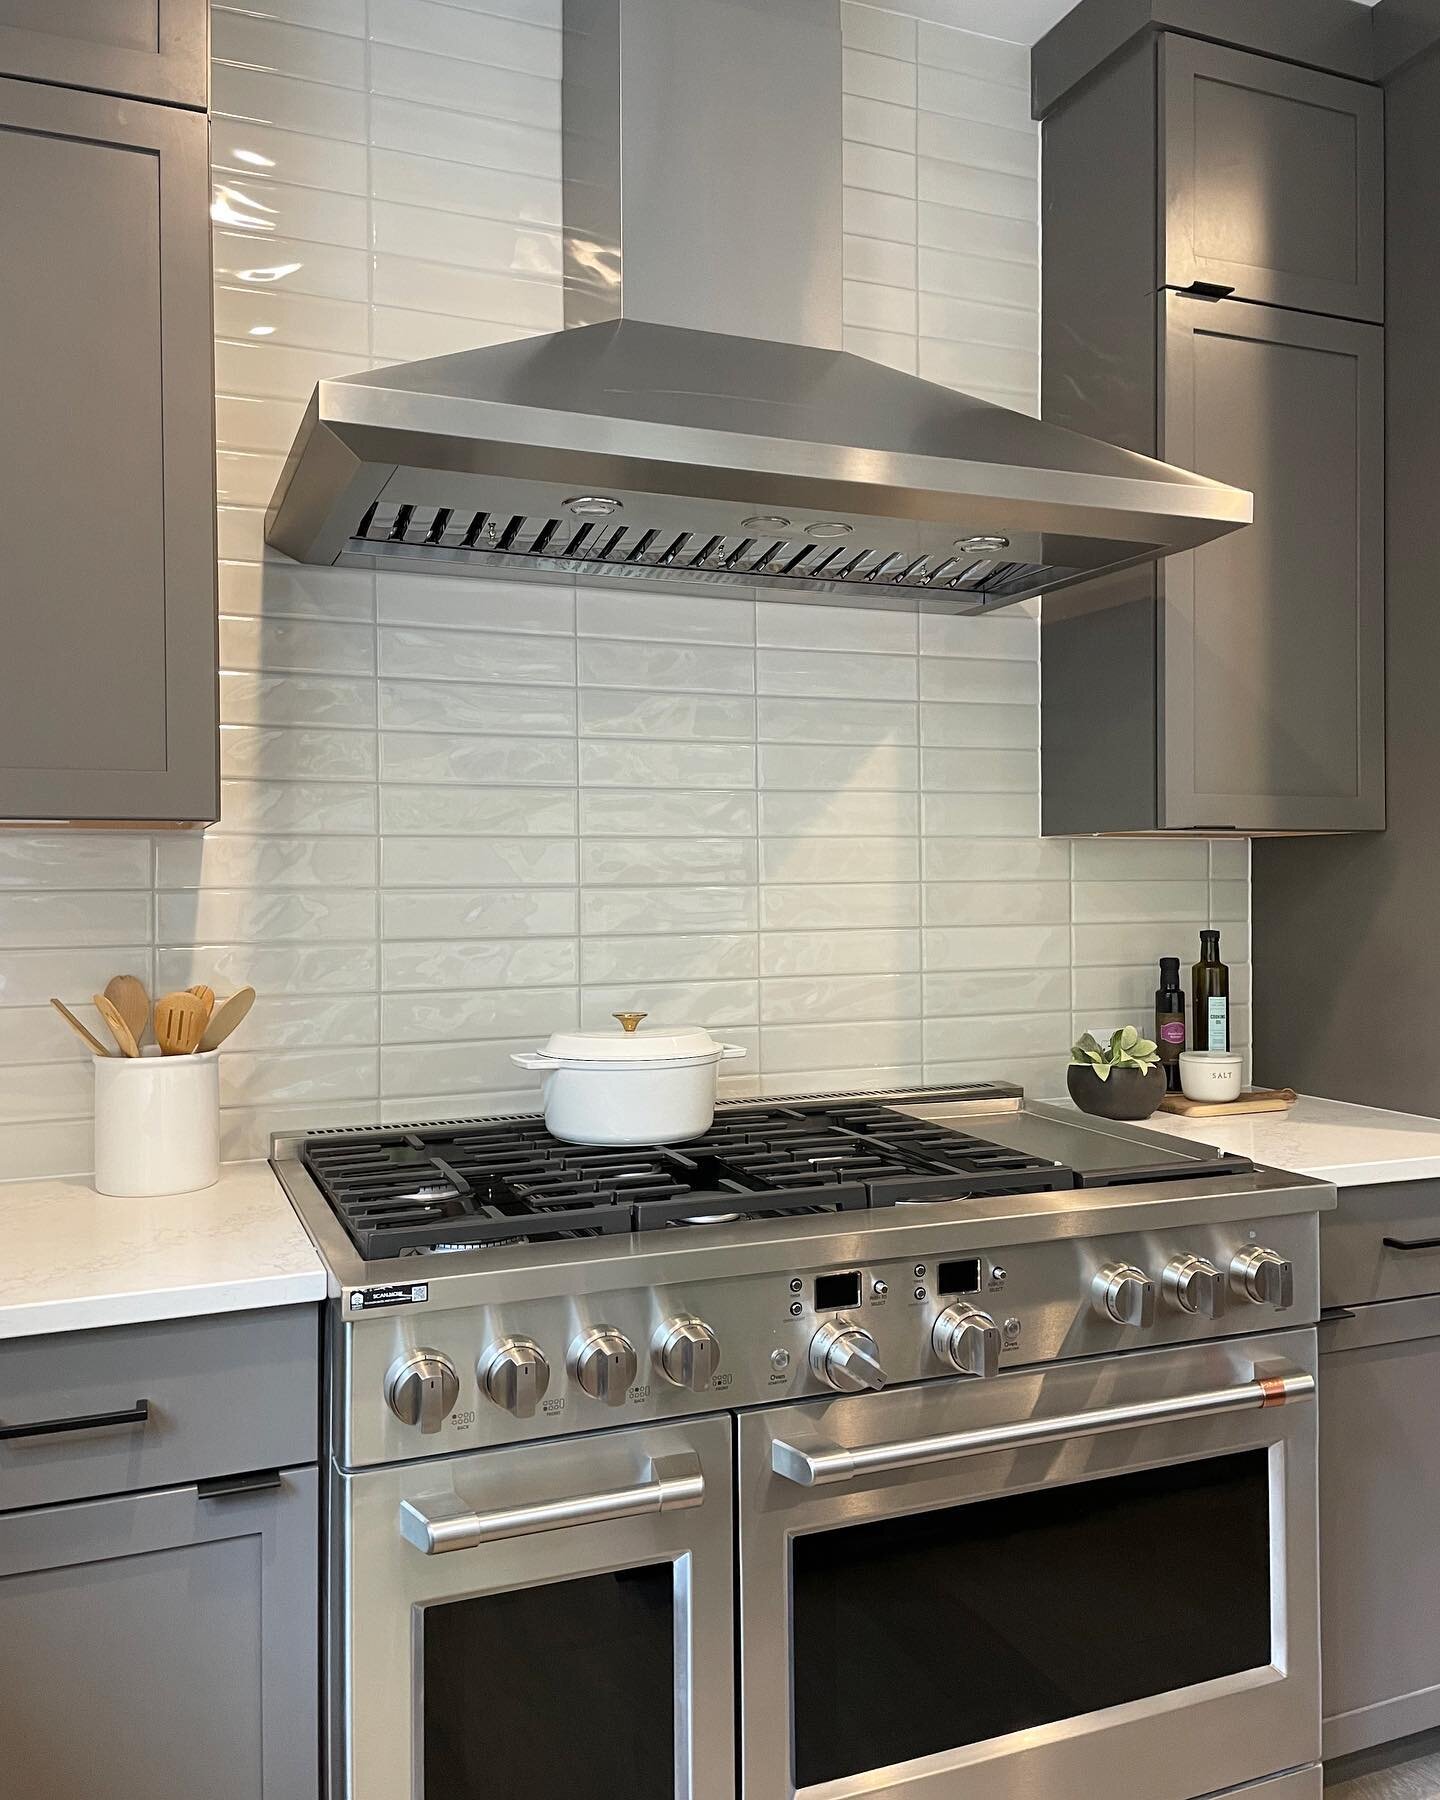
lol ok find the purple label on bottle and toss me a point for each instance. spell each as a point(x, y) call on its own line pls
point(1173, 1031)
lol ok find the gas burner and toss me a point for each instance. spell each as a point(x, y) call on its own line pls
point(485, 1183)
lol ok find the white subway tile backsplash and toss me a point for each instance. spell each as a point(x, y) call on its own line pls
point(459, 812)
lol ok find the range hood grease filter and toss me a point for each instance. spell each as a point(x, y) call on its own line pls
point(646, 447)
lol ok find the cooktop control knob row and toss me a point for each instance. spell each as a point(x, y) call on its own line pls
point(1264, 1277)
point(421, 1389)
point(604, 1363)
point(514, 1374)
point(687, 1353)
point(846, 1358)
point(1196, 1286)
point(968, 1339)
point(1124, 1294)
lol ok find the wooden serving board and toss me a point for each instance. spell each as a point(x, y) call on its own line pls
point(1253, 1100)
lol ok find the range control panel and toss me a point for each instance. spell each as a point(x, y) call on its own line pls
point(426, 1382)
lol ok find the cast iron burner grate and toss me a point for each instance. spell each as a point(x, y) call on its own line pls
point(468, 1185)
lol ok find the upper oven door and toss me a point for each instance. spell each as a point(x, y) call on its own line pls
point(545, 1623)
point(1096, 1578)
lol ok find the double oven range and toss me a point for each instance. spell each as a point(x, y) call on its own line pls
point(933, 1445)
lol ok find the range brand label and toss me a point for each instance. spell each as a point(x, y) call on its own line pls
point(403, 1294)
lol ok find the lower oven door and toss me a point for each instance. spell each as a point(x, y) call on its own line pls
point(1095, 1578)
point(545, 1623)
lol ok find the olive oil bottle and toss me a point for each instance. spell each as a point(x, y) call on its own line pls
point(1210, 997)
point(1170, 1021)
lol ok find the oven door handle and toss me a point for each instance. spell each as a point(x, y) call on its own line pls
point(817, 1464)
point(671, 1484)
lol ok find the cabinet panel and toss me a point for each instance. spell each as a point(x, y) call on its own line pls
point(1379, 1550)
point(107, 461)
point(1273, 639)
point(1273, 180)
point(162, 1646)
point(150, 49)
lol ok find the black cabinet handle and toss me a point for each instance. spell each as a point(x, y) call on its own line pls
point(1411, 1243)
point(1335, 1315)
point(1207, 290)
point(225, 1487)
point(134, 1415)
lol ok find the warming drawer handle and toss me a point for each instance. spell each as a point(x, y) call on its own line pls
point(130, 1415)
point(1278, 1384)
point(1411, 1243)
point(671, 1484)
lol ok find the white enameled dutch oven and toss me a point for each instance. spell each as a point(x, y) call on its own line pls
point(629, 1086)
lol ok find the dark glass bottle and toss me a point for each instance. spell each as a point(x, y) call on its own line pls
point(1170, 1021)
point(1210, 994)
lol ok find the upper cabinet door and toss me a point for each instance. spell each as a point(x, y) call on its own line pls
point(1273, 639)
point(1273, 181)
point(107, 533)
point(149, 49)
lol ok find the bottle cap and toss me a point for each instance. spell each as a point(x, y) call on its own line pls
point(1210, 937)
point(1169, 971)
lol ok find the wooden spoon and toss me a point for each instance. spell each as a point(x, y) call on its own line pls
point(179, 1023)
point(79, 1029)
point(226, 1017)
point(119, 1030)
point(206, 997)
point(127, 995)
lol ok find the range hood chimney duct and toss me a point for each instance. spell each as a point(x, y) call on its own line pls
point(698, 420)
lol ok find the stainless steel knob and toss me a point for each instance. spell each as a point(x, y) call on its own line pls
point(1265, 1277)
point(687, 1353)
point(604, 1363)
point(968, 1339)
point(421, 1389)
point(514, 1374)
point(845, 1357)
point(1195, 1285)
point(1124, 1294)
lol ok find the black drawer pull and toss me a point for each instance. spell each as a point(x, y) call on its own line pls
point(1206, 290)
point(1411, 1243)
point(134, 1415)
point(225, 1487)
point(1335, 1315)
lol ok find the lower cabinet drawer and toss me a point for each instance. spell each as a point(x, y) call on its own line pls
point(1381, 1243)
point(149, 1406)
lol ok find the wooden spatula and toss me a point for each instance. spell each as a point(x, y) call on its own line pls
point(226, 1016)
point(127, 995)
point(119, 1030)
point(81, 1031)
point(179, 1023)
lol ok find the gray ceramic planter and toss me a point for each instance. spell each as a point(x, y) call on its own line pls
point(1126, 1094)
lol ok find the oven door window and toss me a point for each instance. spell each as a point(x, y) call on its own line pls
point(976, 1621)
point(562, 1692)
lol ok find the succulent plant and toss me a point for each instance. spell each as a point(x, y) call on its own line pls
point(1126, 1050)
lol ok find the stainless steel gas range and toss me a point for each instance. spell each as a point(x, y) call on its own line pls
point(935, 1445)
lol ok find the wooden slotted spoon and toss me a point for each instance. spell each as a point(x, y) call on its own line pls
point(127, 995)
point(179, 1023)
point(119, 1030)
point(206, 996)
point(226, 1016)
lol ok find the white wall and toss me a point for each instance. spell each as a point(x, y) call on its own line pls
point(460, 813)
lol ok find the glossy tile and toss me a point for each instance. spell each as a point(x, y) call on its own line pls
point(650, 911)
point(270, 968)
point(669, 616)
point(810, 999)
point(483, 1013)
point(839, 952)
point(443, 87)
point(478, 862)
point(413, 653)
point(845, 675)
point(703, 956)
point(839, 813)
point(44, 920)
point(818, 906)
point(419, 811)
point(66, 860)
point(236, 916)
point(796, 720)
point(717, 1005)
point(678, 812)
point(684, 862)
point(267, 752)
point(484, 963)
point(479, 912)
point(622, 712)
point(674, 667)
point(438, 756)
point(839, 860)
point(878, 77)
point(463, 604)
point(455, 706)
point(839, 767)
point(203, 860)
point(997, 903)
point(624, 763)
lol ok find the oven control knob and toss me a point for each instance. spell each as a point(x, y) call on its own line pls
point(845, 1358)
point(514, 1374)
point(968, 1339)
point(1265, 1277)
point(687, 1353)
point(421, 1389)
point(604, 1363)
point(1195, 1285)
point(1124, 1294)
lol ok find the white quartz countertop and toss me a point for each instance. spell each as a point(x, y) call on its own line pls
point(1353, 1146)
point(74, 1260)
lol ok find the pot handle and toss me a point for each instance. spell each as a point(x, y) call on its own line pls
point(727, 1051)
point(532, 1059)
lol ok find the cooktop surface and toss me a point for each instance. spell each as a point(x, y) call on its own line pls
point(467, 1184)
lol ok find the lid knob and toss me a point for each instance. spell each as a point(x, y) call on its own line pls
point(629, 1021)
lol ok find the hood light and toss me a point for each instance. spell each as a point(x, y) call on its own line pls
point(592, 506)
point(765, 522)
point(828, 528)
point(980, 546)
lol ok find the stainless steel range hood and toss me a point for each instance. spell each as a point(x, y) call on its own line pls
point(651, 439)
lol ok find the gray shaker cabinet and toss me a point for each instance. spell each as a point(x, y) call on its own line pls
point(1273, 182)
point(148, 49)
point(162, 1646)
point(108, 706)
